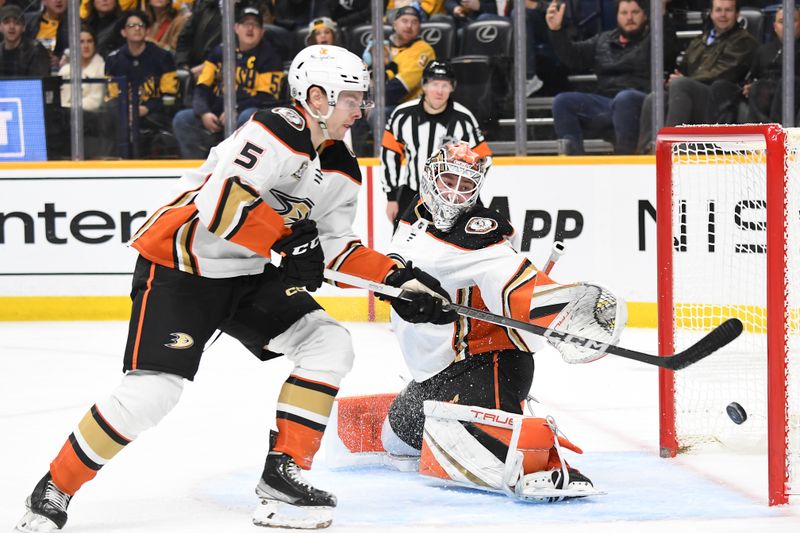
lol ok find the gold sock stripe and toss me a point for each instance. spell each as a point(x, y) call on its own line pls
point(103, 443)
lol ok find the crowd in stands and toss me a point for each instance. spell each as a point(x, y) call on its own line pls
point(154, 67)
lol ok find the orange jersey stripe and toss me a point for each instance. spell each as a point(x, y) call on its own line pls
point(158, 243)
point(260, 230)
point(482, 336)
point(358, 260)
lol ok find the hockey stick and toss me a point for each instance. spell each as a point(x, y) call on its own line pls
point(713, 341)
point(555, 254)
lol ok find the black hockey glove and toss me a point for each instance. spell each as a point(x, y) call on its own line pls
point(424, 307)
point(302, 261)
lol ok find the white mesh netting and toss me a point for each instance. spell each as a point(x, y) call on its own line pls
point(719, 271)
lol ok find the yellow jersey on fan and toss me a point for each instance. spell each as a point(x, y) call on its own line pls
point(406, 64)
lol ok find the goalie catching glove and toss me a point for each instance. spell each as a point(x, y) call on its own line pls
point(427, 297)
point(302, 260)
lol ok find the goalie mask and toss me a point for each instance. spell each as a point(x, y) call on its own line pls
point(451, 181)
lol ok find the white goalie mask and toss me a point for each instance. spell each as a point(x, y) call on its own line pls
point(331, 68)
point(451, 182)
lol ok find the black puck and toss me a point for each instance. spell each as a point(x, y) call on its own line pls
point(736, 413)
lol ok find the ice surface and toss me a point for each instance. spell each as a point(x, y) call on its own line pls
point(196, 471)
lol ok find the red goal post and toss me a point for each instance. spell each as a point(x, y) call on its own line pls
point(727, 246)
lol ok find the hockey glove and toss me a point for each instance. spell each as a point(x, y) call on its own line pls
point(428, 297)
point(302, 260)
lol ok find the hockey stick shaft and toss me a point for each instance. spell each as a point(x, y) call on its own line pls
point(713, 341)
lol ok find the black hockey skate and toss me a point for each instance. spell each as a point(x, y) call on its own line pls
point(47, 508)
point(288, 500)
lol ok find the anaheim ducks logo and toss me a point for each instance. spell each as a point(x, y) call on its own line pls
point(290, 208)
point(480, 226)
point(180, 341)
point(291, 116)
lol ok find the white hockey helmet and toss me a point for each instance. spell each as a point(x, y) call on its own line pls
point(451, 182)
point(331, 68)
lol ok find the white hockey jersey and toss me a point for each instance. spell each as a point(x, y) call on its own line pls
point(477, 266)
point(241, 200)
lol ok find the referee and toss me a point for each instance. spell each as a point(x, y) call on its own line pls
point(417, 128)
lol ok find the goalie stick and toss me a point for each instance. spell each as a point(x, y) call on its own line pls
point(713, 341)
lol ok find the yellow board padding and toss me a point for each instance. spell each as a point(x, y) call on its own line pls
point(65, 308)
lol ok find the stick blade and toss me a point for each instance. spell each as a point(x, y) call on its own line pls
point(720, 336)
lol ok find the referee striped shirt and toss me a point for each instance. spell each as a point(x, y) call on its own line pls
point(412, 135)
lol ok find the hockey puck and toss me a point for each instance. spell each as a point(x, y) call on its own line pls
point(736, 413)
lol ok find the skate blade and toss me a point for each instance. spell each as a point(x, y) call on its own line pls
point(34, 523)
point(273, 513)
point(545, 494)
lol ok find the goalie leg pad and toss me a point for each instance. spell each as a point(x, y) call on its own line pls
point(360, 420)
point(494, 450)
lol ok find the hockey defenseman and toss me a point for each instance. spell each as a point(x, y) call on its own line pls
point(451, 236)
point(285, 183)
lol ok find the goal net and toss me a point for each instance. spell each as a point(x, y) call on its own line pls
point(729, 246)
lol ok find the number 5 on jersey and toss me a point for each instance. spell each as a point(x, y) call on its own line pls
point(248, 157)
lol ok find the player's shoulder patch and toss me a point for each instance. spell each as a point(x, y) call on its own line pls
point(289, 127)
point(479, 228)
point(291, 116)
point(480, 225)
point(337, 156)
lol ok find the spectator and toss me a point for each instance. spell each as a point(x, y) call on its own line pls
point(150, 74)
point(706, 88)
point(20, 55)
point(97, 123)
point(124, 5)
point(322, 31)
point(466, 11)
point(426, 8)
point(167, 23)
point(418, 129)
point(349, 13)
point(764, 81)
point(199, 35)
point(259, 75)
point(104, 21)
point(406, 58)
point(92, 66)
point(45, 26)
point(621, 60)
point(295, 14)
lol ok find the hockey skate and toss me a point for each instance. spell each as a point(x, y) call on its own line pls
point(47, 508)
point(548, 486)
point(288, 500)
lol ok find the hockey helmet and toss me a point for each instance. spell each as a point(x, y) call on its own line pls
point(331, 68)
point(451, 182)
point(439, 70)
